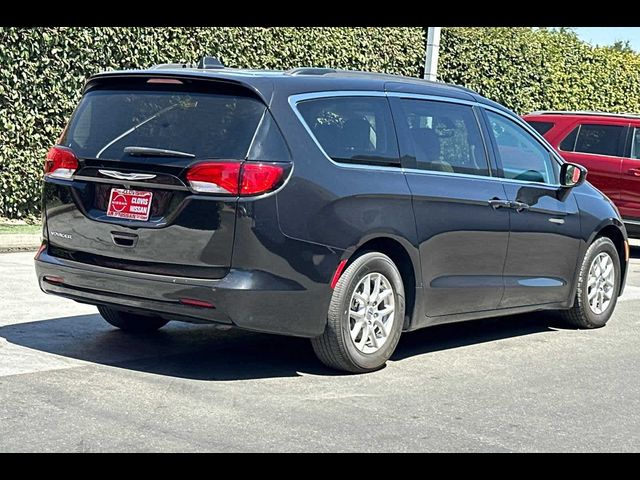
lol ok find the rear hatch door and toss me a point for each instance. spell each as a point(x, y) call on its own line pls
point(129, 205)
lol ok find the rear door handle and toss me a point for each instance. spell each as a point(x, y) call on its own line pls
point(634, 171)
point(496, 203)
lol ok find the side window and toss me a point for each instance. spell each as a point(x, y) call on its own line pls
point(568, 144)
point(599, 139)
point(595, 139)
point(522, 156)
point(635, 143)
point(541, 127)
point(353, 129)
point(445, 137)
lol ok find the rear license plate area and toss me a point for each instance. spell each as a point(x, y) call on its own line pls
point(129, 204)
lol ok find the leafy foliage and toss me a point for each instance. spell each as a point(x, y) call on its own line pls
point(42, 72)
point(540, 69)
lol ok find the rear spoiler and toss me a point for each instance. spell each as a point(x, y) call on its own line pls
point(261, 88)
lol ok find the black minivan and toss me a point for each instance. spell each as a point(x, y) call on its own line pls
point(341, 206)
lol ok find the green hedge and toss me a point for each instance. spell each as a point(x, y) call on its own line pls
point(42, 71)
point(541, 69)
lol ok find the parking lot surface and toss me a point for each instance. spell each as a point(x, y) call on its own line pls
point(71, 382)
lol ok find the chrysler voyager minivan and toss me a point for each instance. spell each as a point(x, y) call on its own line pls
point(341, 206)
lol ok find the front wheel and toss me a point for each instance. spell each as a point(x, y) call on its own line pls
point(365, 316)
point(598, 286)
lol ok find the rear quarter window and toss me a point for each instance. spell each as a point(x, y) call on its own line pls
point(353, 129)
point(540, 127)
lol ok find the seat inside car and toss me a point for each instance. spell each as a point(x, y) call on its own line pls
point(427, 145)
point(356, 135)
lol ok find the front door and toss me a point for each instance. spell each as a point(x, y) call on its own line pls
point(629, 203)
point(461, 220)
point(545, 223)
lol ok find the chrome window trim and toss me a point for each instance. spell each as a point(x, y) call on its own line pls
point(540, 139)
point(436, 98)
point(293, 101)
point(633, 141)
point(450, 174)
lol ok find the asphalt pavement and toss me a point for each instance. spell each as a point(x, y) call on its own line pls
point(70, 382)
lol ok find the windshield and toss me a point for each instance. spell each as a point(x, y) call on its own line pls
point(108, 123)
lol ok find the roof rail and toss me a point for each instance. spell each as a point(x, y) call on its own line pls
point(580, 112)
point(204, 63)
point(310, 71)
point(162, 66)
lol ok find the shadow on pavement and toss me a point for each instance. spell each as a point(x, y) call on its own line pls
point(454, 335)
point(634, 252)
point(201, 352)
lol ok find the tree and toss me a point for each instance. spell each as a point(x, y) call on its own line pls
point(622, 46)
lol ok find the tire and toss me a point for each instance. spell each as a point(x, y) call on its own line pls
point(131, 322)
point(335, 347)
point(582, 314)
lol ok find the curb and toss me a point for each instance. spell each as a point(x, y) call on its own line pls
point(19, 242)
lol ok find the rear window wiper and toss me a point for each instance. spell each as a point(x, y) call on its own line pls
point(135, 127)
point(156, 152)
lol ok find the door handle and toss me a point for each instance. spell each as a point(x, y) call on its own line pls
point(634, 171)
point(519, 206)
point(121, 239)
point(496, 203)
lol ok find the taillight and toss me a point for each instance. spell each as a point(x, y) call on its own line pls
point(60, 163)
point(234, 178)
point(215, 177)
point(259, 178)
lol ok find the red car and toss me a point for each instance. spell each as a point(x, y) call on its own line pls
point(608, 145)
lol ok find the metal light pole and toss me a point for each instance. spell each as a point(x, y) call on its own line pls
point(431, 57)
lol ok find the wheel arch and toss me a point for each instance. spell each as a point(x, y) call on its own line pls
point(401, 254)
point(614, 233)
point(614, 230)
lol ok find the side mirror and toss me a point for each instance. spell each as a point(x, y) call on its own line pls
point(572, 175)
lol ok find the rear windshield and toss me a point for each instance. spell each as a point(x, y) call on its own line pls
point(206, 125)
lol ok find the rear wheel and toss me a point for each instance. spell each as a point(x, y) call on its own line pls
point(598, 286)
point(131, 322)
point(365, 316)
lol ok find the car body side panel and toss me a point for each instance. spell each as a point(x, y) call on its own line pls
point(543, 245)
point(629, 203)
point(603, 171)
point(596, 213)
point(463, 242)
point(299, 301)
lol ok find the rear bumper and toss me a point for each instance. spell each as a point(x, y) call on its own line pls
point(248, 299)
